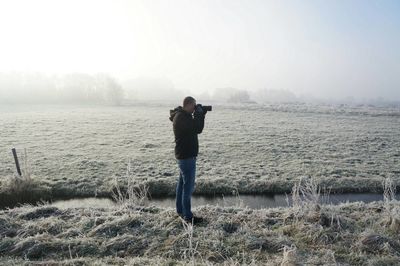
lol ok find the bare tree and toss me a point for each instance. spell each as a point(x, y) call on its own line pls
point(110, 89)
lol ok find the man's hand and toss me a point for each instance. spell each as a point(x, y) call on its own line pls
point(199, 110)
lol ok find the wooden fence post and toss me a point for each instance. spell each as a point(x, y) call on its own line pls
point(16, 161)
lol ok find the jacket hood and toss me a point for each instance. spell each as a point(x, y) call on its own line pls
point(172, 113)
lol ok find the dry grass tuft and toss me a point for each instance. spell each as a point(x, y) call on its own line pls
point(131, 195)
point(391, 210)
point(289, 256)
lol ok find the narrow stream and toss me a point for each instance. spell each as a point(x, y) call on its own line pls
point(251, 201)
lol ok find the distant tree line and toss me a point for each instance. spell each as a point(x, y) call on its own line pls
point(242, 96)
point(80, 88)
point(17, 87)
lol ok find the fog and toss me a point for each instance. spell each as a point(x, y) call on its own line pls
point(71, 88)
point(104, 89)
point(233, 51)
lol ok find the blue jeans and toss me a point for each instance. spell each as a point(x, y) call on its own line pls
point(185, 186)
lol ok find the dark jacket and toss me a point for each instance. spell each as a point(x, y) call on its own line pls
point(186, 127)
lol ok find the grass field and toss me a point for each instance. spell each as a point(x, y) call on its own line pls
point(77, 151)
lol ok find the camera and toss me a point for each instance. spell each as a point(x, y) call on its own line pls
point(207, 108)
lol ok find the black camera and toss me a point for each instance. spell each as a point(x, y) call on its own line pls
point(207, 108)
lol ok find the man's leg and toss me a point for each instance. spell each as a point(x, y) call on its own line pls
point(179, 189)
point(188, 167)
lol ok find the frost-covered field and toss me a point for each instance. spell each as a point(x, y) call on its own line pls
point(309, 234)
point(79, 150)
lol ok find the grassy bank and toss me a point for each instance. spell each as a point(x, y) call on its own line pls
point(17, 190)
point(307, 233)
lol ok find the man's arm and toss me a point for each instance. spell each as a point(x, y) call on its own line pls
point(198, 122)
point(184, 125)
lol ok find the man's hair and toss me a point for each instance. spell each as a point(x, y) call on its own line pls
point(188, 100)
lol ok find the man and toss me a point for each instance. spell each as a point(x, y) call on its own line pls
point(188, 122)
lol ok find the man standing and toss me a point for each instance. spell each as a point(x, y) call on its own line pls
point(188, 122)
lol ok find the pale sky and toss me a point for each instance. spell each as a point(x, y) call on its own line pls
point(324, 48)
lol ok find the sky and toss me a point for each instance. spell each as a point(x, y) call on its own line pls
point(329, 49)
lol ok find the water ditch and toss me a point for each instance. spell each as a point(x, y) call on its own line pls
point(251, 201)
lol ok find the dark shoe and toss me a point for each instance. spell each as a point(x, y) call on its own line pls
point(194, 220)
point(180, 215)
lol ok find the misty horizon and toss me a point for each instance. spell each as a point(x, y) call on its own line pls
point(102, 88)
